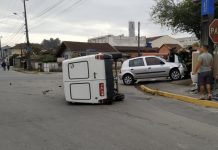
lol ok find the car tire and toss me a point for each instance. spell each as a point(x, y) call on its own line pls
point(175, 74)
point(128, 79)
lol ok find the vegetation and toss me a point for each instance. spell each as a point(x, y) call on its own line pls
point(51, 43)
point(180, 16)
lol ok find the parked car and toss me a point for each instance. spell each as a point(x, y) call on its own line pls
point(150, 67)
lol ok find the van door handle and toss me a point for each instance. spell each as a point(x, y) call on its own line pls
point(132, 69)
point(95, 75)
point(149, 68)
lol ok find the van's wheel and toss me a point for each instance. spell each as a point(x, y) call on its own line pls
point(175, 74)
point(119, 97)
point(128, 79)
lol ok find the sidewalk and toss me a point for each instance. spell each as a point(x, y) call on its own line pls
point(182, 87)
point(182, 90)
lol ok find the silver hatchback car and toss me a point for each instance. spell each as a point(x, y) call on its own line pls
point(150, 67)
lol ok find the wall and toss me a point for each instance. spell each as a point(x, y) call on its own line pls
point(16, 51)
point(216, 62)
point(47, 67)
point(164, 49)
point(165, 40)
point(67, 54)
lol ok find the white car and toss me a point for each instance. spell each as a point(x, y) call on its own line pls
point(149, 67)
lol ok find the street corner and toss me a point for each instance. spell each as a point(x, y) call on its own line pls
point(180, 97)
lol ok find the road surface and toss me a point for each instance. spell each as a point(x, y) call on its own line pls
point(35, 116)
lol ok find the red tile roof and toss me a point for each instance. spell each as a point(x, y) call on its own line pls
point(125, 49)
point(84, 46)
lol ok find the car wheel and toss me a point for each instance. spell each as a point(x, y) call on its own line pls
point(128, 79)
point(175, 74)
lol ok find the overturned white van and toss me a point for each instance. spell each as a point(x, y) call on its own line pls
point(90, 79)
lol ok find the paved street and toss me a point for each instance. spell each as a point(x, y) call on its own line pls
point(35, 116)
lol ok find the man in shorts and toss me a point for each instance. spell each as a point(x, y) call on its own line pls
point(204, 70)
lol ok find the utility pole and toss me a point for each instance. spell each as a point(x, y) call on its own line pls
point(27, 38)
point(1, 46)
point(139, 38)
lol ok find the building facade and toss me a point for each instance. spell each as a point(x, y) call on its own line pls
point(119, 40)
point(188, 41)
point(158, 41)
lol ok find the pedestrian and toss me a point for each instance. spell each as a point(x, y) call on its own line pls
point(4, 65)
point(204, 69)
point(8, 65)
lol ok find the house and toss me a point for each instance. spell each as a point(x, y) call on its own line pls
point(70, 49)
point(20, 49)
point(165, 49)
point(19, 52)
point(188, 41)
point(158, 41)
point(131, 52)
point(5, 52)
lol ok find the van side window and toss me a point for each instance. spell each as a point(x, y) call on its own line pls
point(153, 61)
point(136, 62)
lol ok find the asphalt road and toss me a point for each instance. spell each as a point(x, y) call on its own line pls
point(35, 116)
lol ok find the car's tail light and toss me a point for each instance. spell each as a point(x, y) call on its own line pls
point(101, 89)
point(99, 57)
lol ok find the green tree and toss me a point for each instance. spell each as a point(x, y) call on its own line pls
point(51, 43)
point(180, 16)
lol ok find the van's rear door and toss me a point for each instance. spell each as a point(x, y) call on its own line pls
point(84, 79)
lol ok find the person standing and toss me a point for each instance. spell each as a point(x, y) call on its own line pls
point(8, 65)
point(204, 69)
point(4, 65)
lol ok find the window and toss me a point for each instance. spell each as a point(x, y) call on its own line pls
point(153, 61)
point(136, 62)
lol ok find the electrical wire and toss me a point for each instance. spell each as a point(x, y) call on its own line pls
point(75, 3)
point(49, 9)
point(14, 35)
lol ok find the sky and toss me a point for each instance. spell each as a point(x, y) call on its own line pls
point(75, 20)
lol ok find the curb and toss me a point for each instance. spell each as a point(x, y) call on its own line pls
point(183, 98)
point(30, 72)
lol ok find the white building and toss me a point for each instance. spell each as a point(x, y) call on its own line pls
point(158, 41)
point(188, 41)
point(120, 40)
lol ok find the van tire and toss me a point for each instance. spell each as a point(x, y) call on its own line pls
point(175, 74)
point(128, 79)
point(119, 97)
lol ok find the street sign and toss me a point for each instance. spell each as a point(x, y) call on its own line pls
point(213, 31)
point(207, 7)
point(29, 49)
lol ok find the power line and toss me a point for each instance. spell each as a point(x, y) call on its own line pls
point(60, 12)
point(72, 5)
point(50, 8)
point(14, 35)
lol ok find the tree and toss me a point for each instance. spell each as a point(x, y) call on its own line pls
point(51, 43)
point(182, 16)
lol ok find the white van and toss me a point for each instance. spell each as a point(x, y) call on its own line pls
point(89, 79)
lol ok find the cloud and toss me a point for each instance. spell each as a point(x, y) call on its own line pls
point(87, 19)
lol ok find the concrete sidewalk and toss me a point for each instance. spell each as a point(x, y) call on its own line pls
point(182, 87)
point(182, 90)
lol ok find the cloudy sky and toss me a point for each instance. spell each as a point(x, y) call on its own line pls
point(75, 20)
